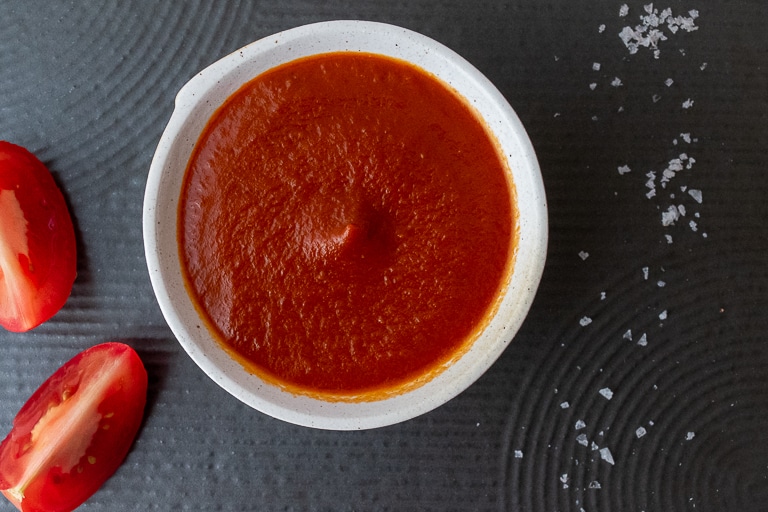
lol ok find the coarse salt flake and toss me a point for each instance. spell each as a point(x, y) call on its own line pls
point(593, 86)
point(601, 28)
point(606, 393)
point(668, 82)
point(689, 436)
point(643, 341)
point(582, 439)
point(579, 424)
point(518, 454)
point(628, 335)
point(623, 10)
point(669, 216)
point(624, 169)
point(585, 321)
point(663, 315)
point(688, 103)
point(565, 405)
point(583, 255)
point(640, 432)
point(616, 82)
point(695, 194)
point(596, 66)
point(605, 454)
point(594, 484)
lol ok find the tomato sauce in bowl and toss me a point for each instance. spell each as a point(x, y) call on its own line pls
point(345, 225)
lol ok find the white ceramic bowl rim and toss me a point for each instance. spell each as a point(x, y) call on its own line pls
point(196, 102)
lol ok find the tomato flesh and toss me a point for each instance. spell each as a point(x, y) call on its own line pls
point(38, 257)
point(75, 430)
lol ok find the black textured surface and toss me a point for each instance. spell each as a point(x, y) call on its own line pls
point(89, 86)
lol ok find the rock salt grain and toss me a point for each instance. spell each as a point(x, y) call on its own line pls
point(518, 454)
point(643, 341)
point(606, 393)
point(688, 103)
point(605, 454)
point(594, 485)
point(565, 405)
point(695, 194)
point(583, 255)
point(585, 321)
point(640, 432)
point(624, 169)
point(616, 82)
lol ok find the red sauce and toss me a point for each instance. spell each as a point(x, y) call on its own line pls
point(346, 223)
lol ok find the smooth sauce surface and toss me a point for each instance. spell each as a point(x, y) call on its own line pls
point(345, 225)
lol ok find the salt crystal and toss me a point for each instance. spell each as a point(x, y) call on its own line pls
point(663, 315)
point(694, 227)
point(616, 82)
point(594, 484)
point(655, 98)
point(593, 86)
point(681, 209)
point(602, 295)
point(582, 439)
point(607, 393)
point(518, 454)
point(640, 432)
point(645, 273)
point(689, 436)
point(703, 66)
point(643, 341)
point(628, 335)
point(565, 405)
point(605, 454)
point(583, 255)
point(579, 424)
point(695, 194)
point(623, 10)
point(601, 28)
point(596, 66)
point(669, 216)
point(686, 137)
point(688, 103)
point(661, 284)
point(624, 169)
point(564, 477)
point(585, 321)
point(594, 446)
point(668, 82)
point(669, 238)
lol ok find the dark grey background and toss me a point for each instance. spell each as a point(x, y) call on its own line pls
point(89, 87)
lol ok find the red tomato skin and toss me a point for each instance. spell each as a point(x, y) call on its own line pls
point(50, 267)
point(121, 407)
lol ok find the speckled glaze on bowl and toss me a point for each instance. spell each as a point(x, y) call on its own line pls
point(196, 102)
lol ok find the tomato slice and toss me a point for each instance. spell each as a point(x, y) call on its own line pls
point(38, 258)
point(75, 430)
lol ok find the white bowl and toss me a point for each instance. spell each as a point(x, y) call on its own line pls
point(196, 102)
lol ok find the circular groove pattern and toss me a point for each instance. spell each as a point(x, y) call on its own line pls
point(672, 401)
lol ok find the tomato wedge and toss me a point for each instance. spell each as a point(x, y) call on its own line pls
point(38, 258)
point(75, 430)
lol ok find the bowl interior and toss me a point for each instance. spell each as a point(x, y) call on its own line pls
point(196, 102)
